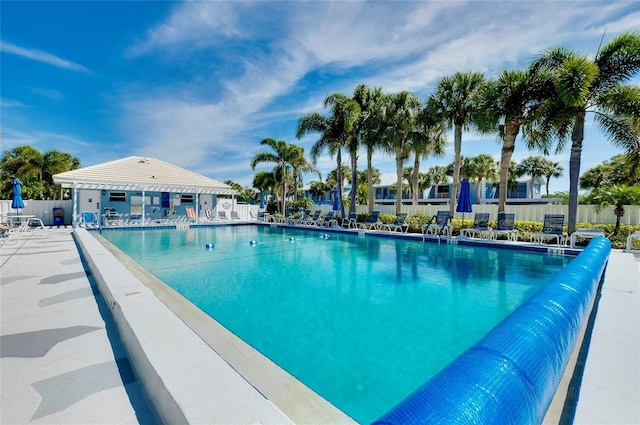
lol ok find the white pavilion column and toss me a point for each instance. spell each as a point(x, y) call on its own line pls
point(74, 221)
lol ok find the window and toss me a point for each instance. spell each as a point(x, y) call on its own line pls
point(442, 191)
point(186, 198)
point(117, 197)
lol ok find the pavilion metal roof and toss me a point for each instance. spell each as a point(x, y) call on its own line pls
point(137, 173)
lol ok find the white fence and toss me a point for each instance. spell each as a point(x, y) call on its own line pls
point(586, 213)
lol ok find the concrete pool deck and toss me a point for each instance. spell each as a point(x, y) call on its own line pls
point(63, 360)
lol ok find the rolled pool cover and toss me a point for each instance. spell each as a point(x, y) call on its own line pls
point(511, 375)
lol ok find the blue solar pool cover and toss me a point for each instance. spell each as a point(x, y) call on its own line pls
point(511, 375)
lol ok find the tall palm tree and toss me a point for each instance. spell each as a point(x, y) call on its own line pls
point(334, 130)
point(533, 166)
point(300, 165)
point(318, 188)
point(507, 103)
point(428, 138)
point(552, 169)
point(455, 102)
point(592, 86)
point(371, 128)
point(282, 156)
point(401, 113)
point(485, 168)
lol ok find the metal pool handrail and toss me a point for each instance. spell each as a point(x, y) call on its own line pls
point(511, 375)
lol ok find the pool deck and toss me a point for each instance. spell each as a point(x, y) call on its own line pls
point(63, 359)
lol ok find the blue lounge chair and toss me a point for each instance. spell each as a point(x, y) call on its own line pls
point(328, 220)
point(480, 226)
point(88, 219)
point(373, 222)
point(301, 220)
point(399, 224)
point(351, 221)
point(506, 223)
point(438, 225)
point(552, 228)
point(314, 219)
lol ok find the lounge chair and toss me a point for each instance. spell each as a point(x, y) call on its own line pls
point(399, 224)
point(551, 229)
point(438, 225)
point(351, 221)
point(585, 234)
point(284, 219)
point(480, 226)
point(191, 214)
point(303, 218)
point(373, 223)
point(208, 213)
point(234, 215)
point(222, 215)
point(313, 220)
point(88, 219)
point(328, 220)
point(630, 238)
point(506, 223)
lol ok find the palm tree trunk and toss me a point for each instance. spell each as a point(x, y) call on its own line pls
point(415, 179)
point(354, 181)
point(399, 164)
point(479, 184)
point(508, 147)
point(370, 178)
point(533, 179)
point(457, 147)
point(340, 181)
point(295, 185)
point(577, 136)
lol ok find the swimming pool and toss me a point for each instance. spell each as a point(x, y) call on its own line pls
point(361, 320)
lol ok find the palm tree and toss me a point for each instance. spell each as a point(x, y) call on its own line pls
point(264, 181)
point(455, 102)
point(401, 113)
point(299, 165)
point(334, 132)
point(438, 175)
point(318, 188)
point(284, 154)
point(371, 128)
point(428, 138)
point(485, 167)
point(597, 86)
point(533, 166)
point(618, 196)
point(54, 162)
point(552, 169)
point(507, 103)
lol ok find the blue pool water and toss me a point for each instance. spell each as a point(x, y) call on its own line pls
point(363, 321)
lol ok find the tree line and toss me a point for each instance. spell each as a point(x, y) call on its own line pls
point(546, 104)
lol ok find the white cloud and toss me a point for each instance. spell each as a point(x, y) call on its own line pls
point(41, 56)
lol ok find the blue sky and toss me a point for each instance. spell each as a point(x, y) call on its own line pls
point(200, 84)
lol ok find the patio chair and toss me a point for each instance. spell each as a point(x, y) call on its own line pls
point(551, 229)
point(438, 225)
point(284, 219)
point(88, 219)
point(191, 214)
point(222, 215)
point(506, 223)
point(630, 238)
point(234, 215)
point(480, 226)
point(328, 220)
point(311, 221)
point(399, 224)
point(584, 233)
point(373, 223)
point(351, 221)
point(208, 213)
point(300, 220)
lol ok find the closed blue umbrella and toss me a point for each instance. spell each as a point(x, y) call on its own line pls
point(336, 200)
point(464, 198)
point(262, 199)
point(17, 202)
